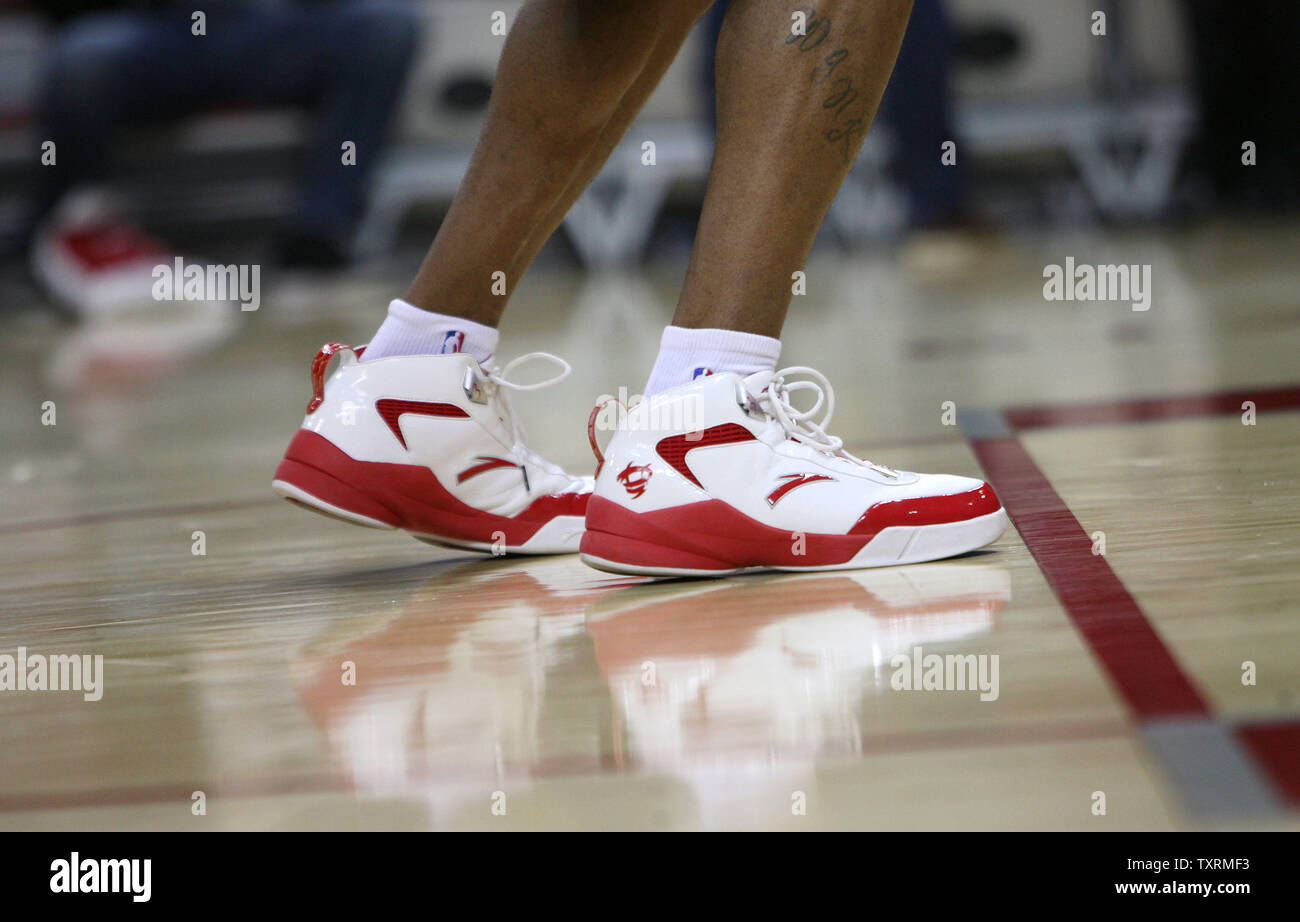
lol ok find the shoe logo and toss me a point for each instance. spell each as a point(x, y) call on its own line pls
point(392, 411)
point(674, 448)
point(791, 482)
point(634, 478)
point(701, 372)
point(453, 341)
point(488, 464)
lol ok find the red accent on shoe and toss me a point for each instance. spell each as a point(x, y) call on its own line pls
point(318, 366)
point(545, 508)
point(792, 481)
point(708, 535)
point(634, 478)
point(391, 411)
point(409, 496)
point(105, 246)
point(928, 510)
point(489, 464)
point(674, 448)
point(591, 431)
point(713, 535)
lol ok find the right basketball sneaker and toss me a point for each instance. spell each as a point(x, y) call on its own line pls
point(726, 474)
point(428, 444)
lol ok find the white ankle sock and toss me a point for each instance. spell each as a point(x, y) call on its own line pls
point(408, 330)
point(687, 354)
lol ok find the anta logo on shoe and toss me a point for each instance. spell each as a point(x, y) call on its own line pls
point(454, 341)
point(485, 465)
point(791, 482)
point(392, 411)
point(634, 478)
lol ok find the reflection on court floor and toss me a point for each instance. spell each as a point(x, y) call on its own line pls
point(304, 674)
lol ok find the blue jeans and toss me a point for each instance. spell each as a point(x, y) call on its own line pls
point(346, 60)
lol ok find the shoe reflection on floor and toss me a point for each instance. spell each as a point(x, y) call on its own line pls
point(497, 676)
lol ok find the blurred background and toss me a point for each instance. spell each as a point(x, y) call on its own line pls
point(1054, 125)
point(136, 133)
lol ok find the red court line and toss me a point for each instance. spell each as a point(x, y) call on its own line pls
point(1276, 748)
point(1220, 403)
point(1106, 614)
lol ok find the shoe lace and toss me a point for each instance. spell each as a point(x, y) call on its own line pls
point(497, 382)
point(804, 425)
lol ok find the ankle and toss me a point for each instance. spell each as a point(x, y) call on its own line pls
point(410, 330)
point(688, 354)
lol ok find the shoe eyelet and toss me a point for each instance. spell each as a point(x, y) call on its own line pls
point(472, 389)
point(746, 403)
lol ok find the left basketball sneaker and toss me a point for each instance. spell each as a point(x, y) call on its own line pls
point(429, 444)
point(726, 474)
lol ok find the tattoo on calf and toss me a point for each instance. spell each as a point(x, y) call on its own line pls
point(847, 129)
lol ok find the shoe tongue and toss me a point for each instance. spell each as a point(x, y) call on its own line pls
point(756, 383)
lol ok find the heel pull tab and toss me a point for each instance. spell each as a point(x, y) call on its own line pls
point(318, 366)
point(591, 430)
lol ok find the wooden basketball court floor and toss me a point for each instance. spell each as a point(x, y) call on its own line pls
point(1154, 686)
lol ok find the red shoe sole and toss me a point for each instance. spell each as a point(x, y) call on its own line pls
point(405, 496)
point(714, 538)
point(709, 535)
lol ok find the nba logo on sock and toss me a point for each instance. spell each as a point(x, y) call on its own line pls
point(453, 342)
point(701, 373)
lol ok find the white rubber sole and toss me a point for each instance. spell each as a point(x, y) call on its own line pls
point(561, 535)
point(900, 544)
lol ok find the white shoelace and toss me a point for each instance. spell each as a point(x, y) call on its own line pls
point(804, 425)
point(499, 382)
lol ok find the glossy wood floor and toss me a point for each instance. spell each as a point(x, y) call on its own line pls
point(524, 694)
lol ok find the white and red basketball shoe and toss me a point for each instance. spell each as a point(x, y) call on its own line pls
point(725, 474)
point(100, 266)
point(428, 444)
